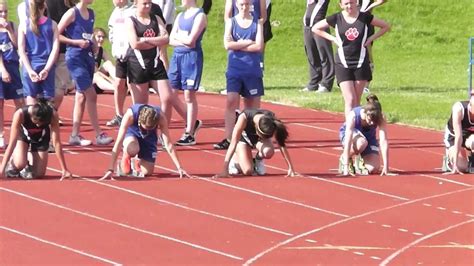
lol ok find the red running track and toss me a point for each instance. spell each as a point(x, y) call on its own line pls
point(418, 217)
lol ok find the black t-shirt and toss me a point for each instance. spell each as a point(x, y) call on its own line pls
point(353, 36)
point(156, 10)
point(250, 131)
point(56, 10)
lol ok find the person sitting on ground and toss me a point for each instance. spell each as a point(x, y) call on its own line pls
point(104, 68)
point(459, 137)
point(254, 129)
point(139, 135)
point(358, 137)
point(33, 127)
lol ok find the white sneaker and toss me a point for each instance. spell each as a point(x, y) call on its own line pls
point(103, 139)
point(259, 167)
point(233, 168)
point(223, 92)
point(79, 141)
point(27, 172)
point(322, 89)
point(2, 142)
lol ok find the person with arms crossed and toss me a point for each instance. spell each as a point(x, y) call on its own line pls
point(243, 39)
point(11, 87)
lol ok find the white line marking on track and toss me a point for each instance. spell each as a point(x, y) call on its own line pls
point(187, 208)
point(417, 234)
point(456, 212)
point(304, 234)
point(311, 241)
point(386, 225)
point(196, 246)
point(274, 197)
point(11, 230)
point(441, 208)
point(375, 258)
point(427, 204)
point(403, 230)
point(358, 253)
point(403, 249)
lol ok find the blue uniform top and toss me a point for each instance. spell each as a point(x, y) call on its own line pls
point(39, 47)
point(149, 135)
point(368, 132)
point(254, 8)
point(7, 49)
point(80, 28)
point(241, 62)
point(185, 27)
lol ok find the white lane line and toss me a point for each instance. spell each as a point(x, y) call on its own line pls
point(196, 246)
point(375, 258)
point(311, 241)
point(386, 225)
point(427, 204)
point(274, 197)
point(188, 208)
point(11, 230)
point(403, 249)
point(315, 230)
point(403, 230)
point(456, 212)
point(417, 233)
point(441, 208)
point(358, 253)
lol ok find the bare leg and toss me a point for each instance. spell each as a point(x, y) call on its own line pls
point(232, 103)
point(78, 112)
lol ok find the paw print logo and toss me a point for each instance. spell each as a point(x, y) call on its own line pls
point(352, 34)
point(149, 33)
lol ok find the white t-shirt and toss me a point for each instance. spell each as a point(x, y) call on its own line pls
point(168, 9)
point(21, 10)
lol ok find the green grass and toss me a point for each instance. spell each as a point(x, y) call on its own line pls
point(420, 64)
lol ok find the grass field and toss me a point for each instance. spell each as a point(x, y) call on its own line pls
point(420, 64)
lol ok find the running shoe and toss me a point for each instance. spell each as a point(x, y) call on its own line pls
point(79, 141)
point(223, 145)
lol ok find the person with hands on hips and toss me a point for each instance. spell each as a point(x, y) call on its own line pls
point(255, 129)
point(138, 134)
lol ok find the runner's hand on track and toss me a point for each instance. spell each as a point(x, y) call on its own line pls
point(65, 174)
point(183, 173)
point(108, 174)
point(222, 174)
point(291, 173)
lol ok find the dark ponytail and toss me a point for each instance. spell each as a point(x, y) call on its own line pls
point(42, 111)
point(268, 126)
point(373, 109)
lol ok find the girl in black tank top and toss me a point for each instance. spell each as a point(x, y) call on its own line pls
point(254, 129)
point(31, 131)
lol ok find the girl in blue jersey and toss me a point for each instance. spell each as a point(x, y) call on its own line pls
point(139, 135)
point(186, 65)
point(257, 9)
point(38, 47)
point(358, 136)
point(11, 87)
point(33, 127)
point(77, 24)
point(255, 128)
point(352, 39)
point(146, 35)
point(243, 38)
